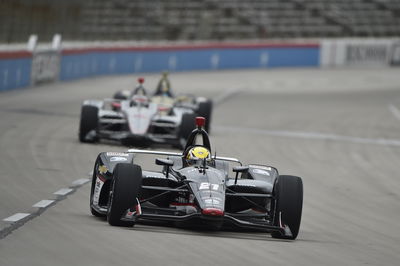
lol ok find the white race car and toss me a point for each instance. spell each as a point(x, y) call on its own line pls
point(139, 120)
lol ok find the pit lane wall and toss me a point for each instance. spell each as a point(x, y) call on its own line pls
point(21, 68)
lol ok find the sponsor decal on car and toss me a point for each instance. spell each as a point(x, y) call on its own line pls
point(97, 190)
point(212, 201)
point(117, 154)
point(102, 169)
point(208, 186)
point(118, 159)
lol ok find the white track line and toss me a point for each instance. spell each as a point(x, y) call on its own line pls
point(309, 135)
point(41, 207)
point(43, 203)
point(80, 182)
point(63, 191)
point(395, 111)
point(16, 217)
point(225, 95)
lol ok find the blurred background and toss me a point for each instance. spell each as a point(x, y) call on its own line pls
point(197, 19)
point(49, 40)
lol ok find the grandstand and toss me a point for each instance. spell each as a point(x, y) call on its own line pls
point(197, 19)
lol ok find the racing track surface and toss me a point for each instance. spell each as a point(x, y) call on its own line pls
point(338, 129)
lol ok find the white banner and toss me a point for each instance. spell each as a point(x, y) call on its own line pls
point(45, 66)
point(356, 52)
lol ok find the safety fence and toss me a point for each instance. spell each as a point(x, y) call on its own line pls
point(21, 68)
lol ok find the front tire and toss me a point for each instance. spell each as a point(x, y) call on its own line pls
point(288, 192)
point(126, 183)
point(89, 121)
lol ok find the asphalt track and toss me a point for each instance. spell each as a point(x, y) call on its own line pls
point(337, 129)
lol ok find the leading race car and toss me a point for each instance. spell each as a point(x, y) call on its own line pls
point(194, 188)
point(139, 119)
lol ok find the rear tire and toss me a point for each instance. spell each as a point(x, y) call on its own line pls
point(89, 121)
point(187, 125)
point(205, 110)
point(288, 192)
point(127, 180)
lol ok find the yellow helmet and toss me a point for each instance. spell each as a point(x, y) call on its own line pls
point(198, 153)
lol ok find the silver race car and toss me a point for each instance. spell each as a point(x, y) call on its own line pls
point(194, 188)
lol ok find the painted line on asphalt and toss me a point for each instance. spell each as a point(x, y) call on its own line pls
point(19, 219)
point(63, 191)
point(395, 111)
point(226, 95)
point(16, 217)
point(43, 204)
point(80, 182)
point(308, 135)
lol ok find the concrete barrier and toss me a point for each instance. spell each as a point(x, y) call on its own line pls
point(78, 63)
point(22, 68)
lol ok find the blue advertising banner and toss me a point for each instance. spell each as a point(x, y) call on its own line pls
point(14, 72)
point(89, 62)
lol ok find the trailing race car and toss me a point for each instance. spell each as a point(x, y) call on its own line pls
point(194, 188)
point(137, 119)
point(163, 95)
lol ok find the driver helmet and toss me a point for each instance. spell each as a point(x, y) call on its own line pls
point(197, 154)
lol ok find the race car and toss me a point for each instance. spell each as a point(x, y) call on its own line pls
point(136, 120)
point(196, 189)
point(164, 95)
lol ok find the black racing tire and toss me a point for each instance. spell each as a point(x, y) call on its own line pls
point(187, 125)
point(92, 210)
point(205, 110)
point(288, 192)
point(126, 183)
point(89, 121)
point(97, 214)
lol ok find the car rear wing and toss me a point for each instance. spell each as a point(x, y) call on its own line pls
point(168, 153)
